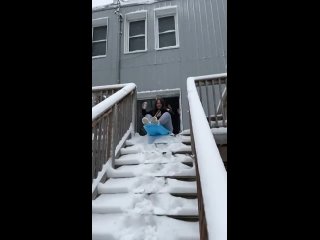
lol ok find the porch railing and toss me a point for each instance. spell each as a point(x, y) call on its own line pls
point(213, 96)
point(112, 119)
point(100, 93)
point(211, 173)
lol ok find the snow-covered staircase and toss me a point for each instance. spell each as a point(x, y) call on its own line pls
point(150, 194)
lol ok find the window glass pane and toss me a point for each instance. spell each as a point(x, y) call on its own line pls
point(98, 48)
point(166, 23)
point(137, 28)
point(136, 44)
point(167, 39)
point(99, 33)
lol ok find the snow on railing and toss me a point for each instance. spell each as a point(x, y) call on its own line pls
point(112, 118)
point(100, 93)
point(211, 173)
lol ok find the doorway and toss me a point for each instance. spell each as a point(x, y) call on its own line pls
point(171, 98)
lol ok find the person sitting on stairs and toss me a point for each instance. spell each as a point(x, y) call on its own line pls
point(159, 115)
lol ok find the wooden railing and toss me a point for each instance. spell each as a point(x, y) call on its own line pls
point(100, 93)
point(112, 119)
point(213, 96)
point(210, 171)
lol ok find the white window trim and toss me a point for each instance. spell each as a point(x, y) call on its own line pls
point(166, 12)
point(133, 17)
point(100, 22)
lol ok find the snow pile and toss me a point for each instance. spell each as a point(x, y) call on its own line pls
point(160, 144)
point(142, 227)
point(152, 157)
point(169, 169)
point(158, 204)
point(147, 184)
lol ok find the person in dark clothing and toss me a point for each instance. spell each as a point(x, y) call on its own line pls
point(159, 115)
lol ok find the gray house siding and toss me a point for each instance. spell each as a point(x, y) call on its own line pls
point(202, 26)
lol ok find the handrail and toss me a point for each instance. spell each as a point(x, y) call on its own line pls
point(105, 105)
point(100, 93)
point(107, 87)
point(211, 173)
point(212, 91)
point(112, 120)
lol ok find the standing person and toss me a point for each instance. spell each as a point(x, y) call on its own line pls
point(159, 115)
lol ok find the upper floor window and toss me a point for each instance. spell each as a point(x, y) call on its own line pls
point(99, 41)
point(166, 28)
point(137, 35)
point(135, 32)
point(99, 37)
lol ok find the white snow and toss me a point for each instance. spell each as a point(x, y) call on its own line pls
point(131, 150)
point(220, 130)
point(158, 204)
point(97, 180)
point(147, 184)
point(220, 123)
point(152, 157)
point(105, 166)
point(134, 226)
point(160, 144)
point(102, 3)
point(212, 172)
point(215, 131)
point(184, 139)
point(123, 139)
point(161, 170)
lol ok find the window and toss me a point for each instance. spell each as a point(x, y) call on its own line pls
point(137, 36)
point(167, 32)
point(99, 41)
point(135, 32)
point(166, 28)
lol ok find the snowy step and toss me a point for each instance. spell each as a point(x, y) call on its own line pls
point(156, 170)
point(220, 123)
point(185, 139)
point(139, 227)
point(147, 184)
point(131, 150)
point(178, 147)
point(152, 157)
point(157, 204)
point(220, 130)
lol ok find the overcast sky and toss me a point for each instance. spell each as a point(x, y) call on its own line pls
point(100, 2)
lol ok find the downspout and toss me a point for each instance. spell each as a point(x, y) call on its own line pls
point(117, 12)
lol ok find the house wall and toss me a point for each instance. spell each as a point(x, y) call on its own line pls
point(202, 27)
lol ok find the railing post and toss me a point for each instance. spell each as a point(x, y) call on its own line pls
point(134, 112)
point(208, 106)
point(221, 102)
point(214, 104)
point(114, 133)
